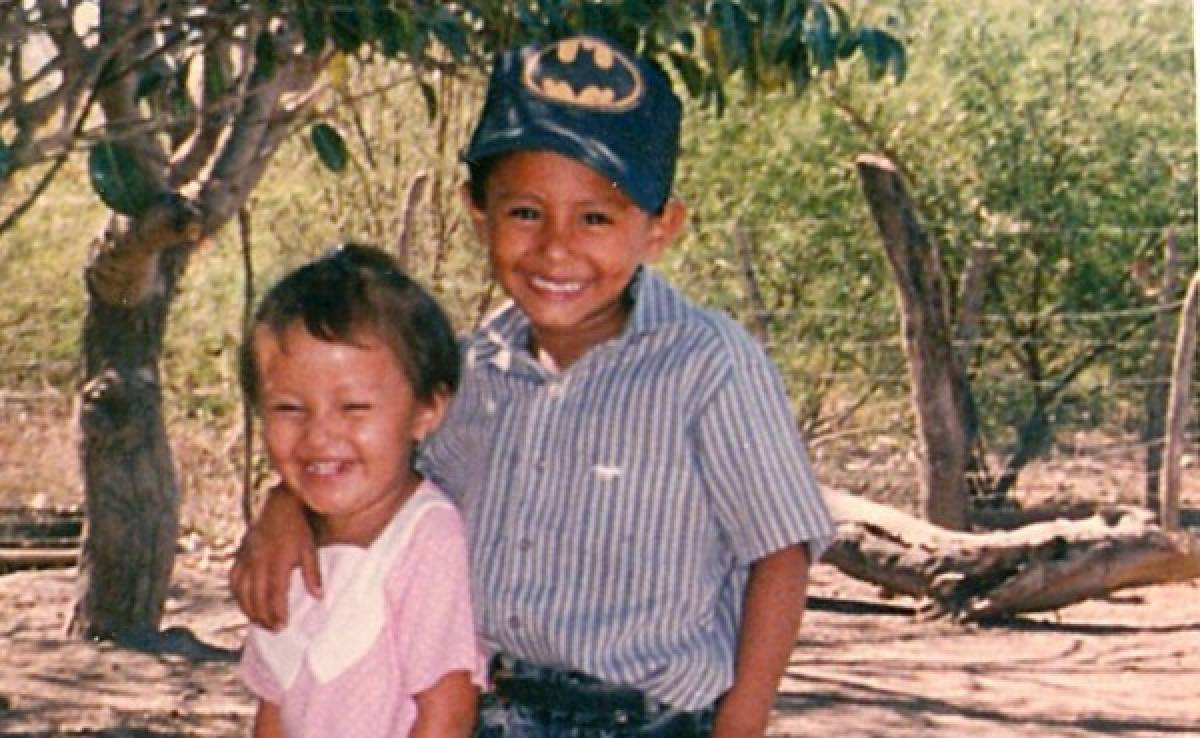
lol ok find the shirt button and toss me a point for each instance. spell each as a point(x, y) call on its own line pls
point(524, 545)
point(514, 622)
point(554, 390)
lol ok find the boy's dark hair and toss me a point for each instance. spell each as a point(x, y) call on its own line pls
point(587, 98)
point(354, 292)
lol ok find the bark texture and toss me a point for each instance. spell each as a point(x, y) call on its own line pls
point(987, 575)
point(941, 397)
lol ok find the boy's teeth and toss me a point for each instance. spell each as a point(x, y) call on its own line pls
point(550, 286)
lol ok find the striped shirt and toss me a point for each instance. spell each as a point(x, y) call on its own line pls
point(613, 509)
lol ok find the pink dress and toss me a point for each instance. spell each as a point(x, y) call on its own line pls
point(395, 618)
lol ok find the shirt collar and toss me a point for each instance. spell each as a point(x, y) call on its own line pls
point(505, 333)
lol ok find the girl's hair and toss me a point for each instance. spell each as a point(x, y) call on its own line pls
point(352, 294)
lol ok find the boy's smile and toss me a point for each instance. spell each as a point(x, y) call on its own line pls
point(564, 242)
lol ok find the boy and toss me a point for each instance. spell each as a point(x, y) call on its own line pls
point(640, 509)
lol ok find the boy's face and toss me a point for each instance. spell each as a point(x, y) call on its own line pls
point(339, 421)
point(564, 242)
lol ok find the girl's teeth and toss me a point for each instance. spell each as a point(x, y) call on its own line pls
point(323, 467)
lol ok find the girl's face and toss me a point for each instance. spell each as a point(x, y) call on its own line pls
point(339, 422)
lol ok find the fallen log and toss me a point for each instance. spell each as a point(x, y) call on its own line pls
point(989, 575)
point(21, 559)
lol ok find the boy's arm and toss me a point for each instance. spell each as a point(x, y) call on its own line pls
point(267, 723)
point(447, 709)
point(775, 600)
point(279, 541)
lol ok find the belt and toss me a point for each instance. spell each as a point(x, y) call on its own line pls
point(572, 695)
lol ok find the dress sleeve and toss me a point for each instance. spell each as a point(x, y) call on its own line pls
point(256, 674)
point(755, 463)
point(428, 596)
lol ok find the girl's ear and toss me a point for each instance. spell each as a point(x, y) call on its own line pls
point(430, 414)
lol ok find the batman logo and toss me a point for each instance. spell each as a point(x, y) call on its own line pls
point(584, 72)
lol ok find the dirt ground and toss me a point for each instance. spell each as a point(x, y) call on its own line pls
point(863, 666)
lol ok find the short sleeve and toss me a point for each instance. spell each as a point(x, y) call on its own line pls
point(256, 674)
point(755, 464)
point(429, 599)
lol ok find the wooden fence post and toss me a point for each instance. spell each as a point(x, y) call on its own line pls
point(1181, 376)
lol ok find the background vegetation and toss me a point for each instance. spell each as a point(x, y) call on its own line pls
point(1063, 137)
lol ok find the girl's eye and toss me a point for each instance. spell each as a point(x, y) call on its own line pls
point(284, 408)
point(356, 407)
point(523, 213)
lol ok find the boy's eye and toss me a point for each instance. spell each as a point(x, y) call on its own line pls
point(356, 407)
point(597, 218)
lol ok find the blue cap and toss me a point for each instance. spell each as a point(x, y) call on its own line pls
point(589, 99)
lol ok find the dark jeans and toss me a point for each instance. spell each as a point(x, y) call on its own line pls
point(530, 701)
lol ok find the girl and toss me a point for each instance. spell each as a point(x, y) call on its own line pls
point(350, 365)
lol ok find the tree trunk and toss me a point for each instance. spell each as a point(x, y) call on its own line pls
point(941, 396)
point(132, 494)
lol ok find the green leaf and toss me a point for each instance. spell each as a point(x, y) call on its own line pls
point(798, 65)
point(735, 34)
point(448, 30)
point(876, 51)
point(430, 97)
point(6, 160)
point(331, 149)
point(348, 25)
point(847, 37)
point(897, 59)
point(818, 36)
point(265, 58)
point(216, 82)
point(394, 30)
point(690, 72)
point(151, 79)
point(313, 25)
point(118, 178)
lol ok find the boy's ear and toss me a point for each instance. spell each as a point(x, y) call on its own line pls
point(478, 217)
point(430, 414)
point(664, 228)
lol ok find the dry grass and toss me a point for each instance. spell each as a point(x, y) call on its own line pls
point(39, 463)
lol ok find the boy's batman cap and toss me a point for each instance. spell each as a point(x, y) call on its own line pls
point(587, 98)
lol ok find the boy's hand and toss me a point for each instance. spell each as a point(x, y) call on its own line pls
point(774, 606)
point(279, 541)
